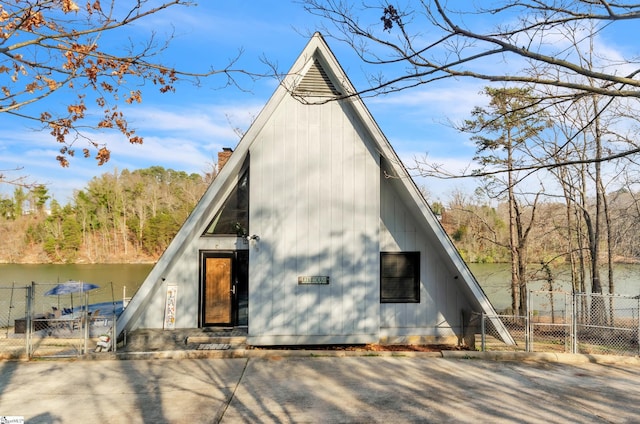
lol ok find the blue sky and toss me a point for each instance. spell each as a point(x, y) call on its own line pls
point(185, 130)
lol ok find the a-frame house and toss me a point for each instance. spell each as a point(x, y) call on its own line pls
point(313, 233)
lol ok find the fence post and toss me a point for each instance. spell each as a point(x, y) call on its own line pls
point(28, 321)
point(528, 336)
point(482, 332)
point(87, 323)
point(574, 323)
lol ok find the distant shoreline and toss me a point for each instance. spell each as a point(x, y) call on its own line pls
point(80, 263)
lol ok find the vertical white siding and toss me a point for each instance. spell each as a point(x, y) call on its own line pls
point(335, 176)
point(185, 273)
point(441, 300)
point(314, 202)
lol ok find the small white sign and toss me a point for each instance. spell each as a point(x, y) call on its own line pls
point(313, 279)
point(170, 307)
point(11, 420)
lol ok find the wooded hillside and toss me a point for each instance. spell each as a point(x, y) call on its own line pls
point(120, 217)
point(480, 230)
point(131, 216)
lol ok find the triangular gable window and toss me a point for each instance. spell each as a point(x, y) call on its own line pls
point(233, 217)
point(316, 82)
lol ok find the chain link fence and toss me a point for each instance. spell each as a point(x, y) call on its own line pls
point(14, 321)
point(607, 324)
point(68, 324)
point(550, 321)
point(516, 325)
point(586, 323)
point(36, 323)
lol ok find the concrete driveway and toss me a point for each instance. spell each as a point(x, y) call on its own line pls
point(319, 389)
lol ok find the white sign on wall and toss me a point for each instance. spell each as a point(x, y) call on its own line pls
point(170, 307)
point(313, 279)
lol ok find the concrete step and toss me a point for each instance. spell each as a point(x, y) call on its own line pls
point(237, 340)
point(150, 340)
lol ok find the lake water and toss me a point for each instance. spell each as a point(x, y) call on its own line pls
point(117, 279)
point(495, 280)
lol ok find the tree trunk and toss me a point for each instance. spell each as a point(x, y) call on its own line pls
point(513, 242)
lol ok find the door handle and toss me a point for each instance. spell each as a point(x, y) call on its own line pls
point(233, 289)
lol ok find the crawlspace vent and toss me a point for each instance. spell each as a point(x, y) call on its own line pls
point(316, 82)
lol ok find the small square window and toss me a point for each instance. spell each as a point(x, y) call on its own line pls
point(400, 277)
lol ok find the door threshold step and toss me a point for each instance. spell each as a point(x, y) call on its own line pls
point(238, 340)
point(214, 346)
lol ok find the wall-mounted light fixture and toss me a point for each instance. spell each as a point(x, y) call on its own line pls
point(253, 237)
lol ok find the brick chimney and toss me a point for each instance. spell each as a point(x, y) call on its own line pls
point(223, 157)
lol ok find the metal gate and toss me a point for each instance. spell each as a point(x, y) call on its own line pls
point(550, 321)
point(33, 324)
point(57, 326)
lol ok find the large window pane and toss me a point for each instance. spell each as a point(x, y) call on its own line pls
point(233, 217)
point(400, 277)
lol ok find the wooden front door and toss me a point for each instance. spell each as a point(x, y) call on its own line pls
point(218, 291)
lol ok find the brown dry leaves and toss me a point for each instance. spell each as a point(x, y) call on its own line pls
point(48, 45)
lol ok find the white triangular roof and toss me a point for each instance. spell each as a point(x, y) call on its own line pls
point(317, 72)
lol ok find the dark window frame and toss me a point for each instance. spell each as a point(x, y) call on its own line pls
point(232, 219)
point(399, 273)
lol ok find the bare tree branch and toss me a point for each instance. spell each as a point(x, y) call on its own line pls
point(53, 46)
point(539, 44)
